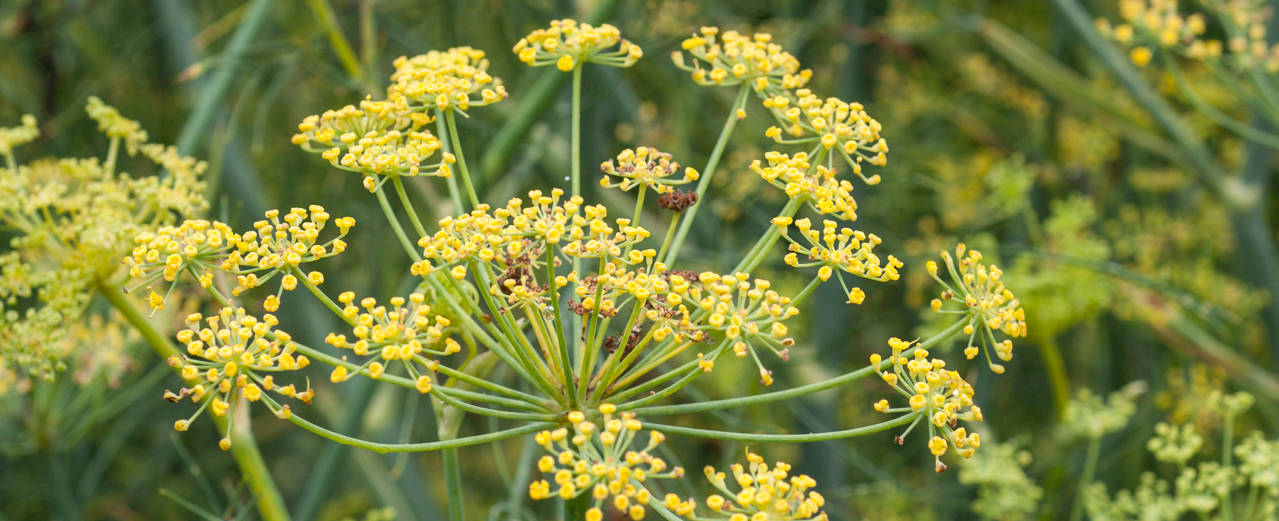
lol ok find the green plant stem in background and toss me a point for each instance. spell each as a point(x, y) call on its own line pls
point(1085, 479)
point(1057, 378)
point(705, 181)
point(324, 12)
point(575, 509)
point(244, 447)
point(211, 94)
point(461, 161)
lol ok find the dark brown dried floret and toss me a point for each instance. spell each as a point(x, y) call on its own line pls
point(677, 200)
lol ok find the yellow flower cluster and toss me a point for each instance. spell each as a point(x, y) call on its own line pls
point(598, 460)
point(747, 314)
point(405, 333)
point(447, 80)
point(941, 396)
point(14, 136)
point(568, 44)
point(735, 58)
point(517, 236)
point(114, 125)
point(989, 305)
point(646, 167)
point(765, 494)
point(225, 359)
point(838, 252)
point(74, 219)
point(1153, 24)
point(198, 247)
point(813, 184)
point(838, 125)
point(375, 139)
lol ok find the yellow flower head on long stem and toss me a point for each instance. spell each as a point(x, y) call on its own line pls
point(569, 44)
point(840, 127)
point(763, 493)
point(455, 79)
point(406, 332)
point(941, 398)
point(225, 360)
point(839, 251)
point(377, 139)
point(598, 459)
point(988, 304)
point(733, 58)
point(644, 166)
point(813, 184)
point(276, 247)
point(748, 315)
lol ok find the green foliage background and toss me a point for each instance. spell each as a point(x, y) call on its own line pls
point(1008, 133)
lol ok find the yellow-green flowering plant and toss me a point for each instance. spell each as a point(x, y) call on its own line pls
point(589, 311)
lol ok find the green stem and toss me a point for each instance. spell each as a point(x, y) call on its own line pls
point(369, 45)
point(408, 205)
point(324, 12)
point(732, 403)
point(639, 210)
point(453, 478)
point(1059, 382)
point(670, 234)
point(461, 160)
point(320, 295)
point(244, 447)
point(1090, 468)
point(565, 362)
point(112, 151)
point(1227, 450)
point(383, 448)
point(575, 155)
point(395, 225)
point(757, 253)
point(705, 181)
point(784, 438)
point(575, 509)
point(454, 194)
